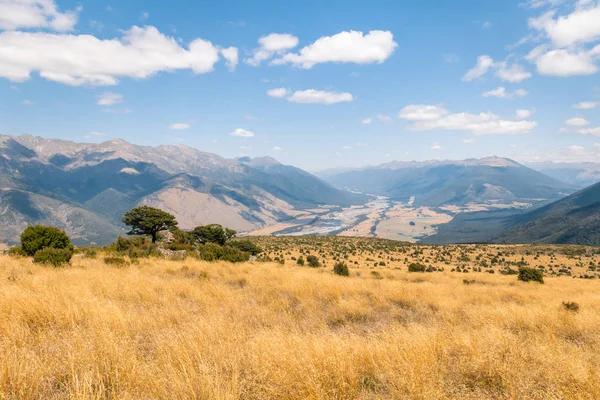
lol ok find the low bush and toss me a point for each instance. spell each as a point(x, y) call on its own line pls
point(530, 275)
point(17, 251)
point(234, 255)
point(116, 261)
point(416, 267)
point(340, 268)
point(246, 246)
point(52, 256)
point(39, 237)
point(570, 306)
point(313, 261)
point(300, 261)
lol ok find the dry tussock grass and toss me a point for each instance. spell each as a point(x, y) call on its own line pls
point(195, 330)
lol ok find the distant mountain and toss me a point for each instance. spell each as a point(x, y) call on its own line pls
point(572, 220)
point(85, 188)
point(439, 183)
point(578, 174)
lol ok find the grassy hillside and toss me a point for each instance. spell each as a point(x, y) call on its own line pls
point(573, 220)
point(189, 329)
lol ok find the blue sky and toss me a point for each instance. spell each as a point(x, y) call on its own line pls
point(314, 84)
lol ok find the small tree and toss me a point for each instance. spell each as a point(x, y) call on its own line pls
point(300, 261)
point(147, 220)
point(213, 233)
point(530, 274)
point(40, 237)
point(313, 261)
point(340, 268)
point(416, 267)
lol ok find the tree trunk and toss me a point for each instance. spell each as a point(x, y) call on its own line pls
point(153, 237)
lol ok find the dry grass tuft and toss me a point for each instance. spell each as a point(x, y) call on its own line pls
point(196, 330)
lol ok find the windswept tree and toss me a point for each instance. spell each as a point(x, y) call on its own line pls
point(147, 220)
point(213, 233)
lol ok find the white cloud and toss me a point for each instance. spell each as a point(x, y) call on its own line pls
point(484, 63)
point(239, 132)
point(312, 96)
point(367, 121)
point(596, 144)
point(384, 118)
point(144, 16)
point(94, 134)
point(421, 112)
point(276, 148)
point(585, 105)
point(278, 92)
point(541, 3)
point(30, 14)
point(501, 93)
point(275, 43)
point(344, 47)
point(468, 141)
point(179, 126)
point(230, 55)
point(581, 26)
point(436, 146)
point(109, 98)
point(251, 117)
point(28, 102)
point(514, 73)
point(523, 114)
point(486, 24)
point(577, 122)
point(590, 131)
point(86, 60)
point(424, 118)
point(563, 62)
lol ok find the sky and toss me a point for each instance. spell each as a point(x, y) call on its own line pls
point(316, 84)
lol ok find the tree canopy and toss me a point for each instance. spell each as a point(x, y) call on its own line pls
point(40, 237)
point(213, 233)
point(146, 220)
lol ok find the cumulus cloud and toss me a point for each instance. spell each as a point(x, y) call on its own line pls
point(179, 126)
point(502, 93)
point(277, 148)
point(366, 121)
point(567, 52)
point(109, 98)
point(311, 96)
point(513, 73)
point(278, 92)
point(86, 60)
point(580, 26)
point(425, 118)
point(344, 47)
point(239, 132)
point(577, 122)
point(590, 131)
point(30, 14)
point(523, 114)
point(231, 57)
point(585, 105)
point(275, 43)
point(436, 146)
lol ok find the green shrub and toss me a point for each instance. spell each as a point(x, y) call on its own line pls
point(246, 246)
point(210, 252)
point(570, 306)
point(52, 256)
point(17, 251)
point(530, 274)
point(134, 247)
point(313, 261)
point(340, 268)
point(90, 253)
point(416, 267)
point(39, 237)
point(234, 255)
point(116, 261)
point(300, 261)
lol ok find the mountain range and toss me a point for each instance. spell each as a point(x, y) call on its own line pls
point(85, 188)
point(442, 183)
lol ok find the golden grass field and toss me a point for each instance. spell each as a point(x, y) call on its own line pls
point(190, 329)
